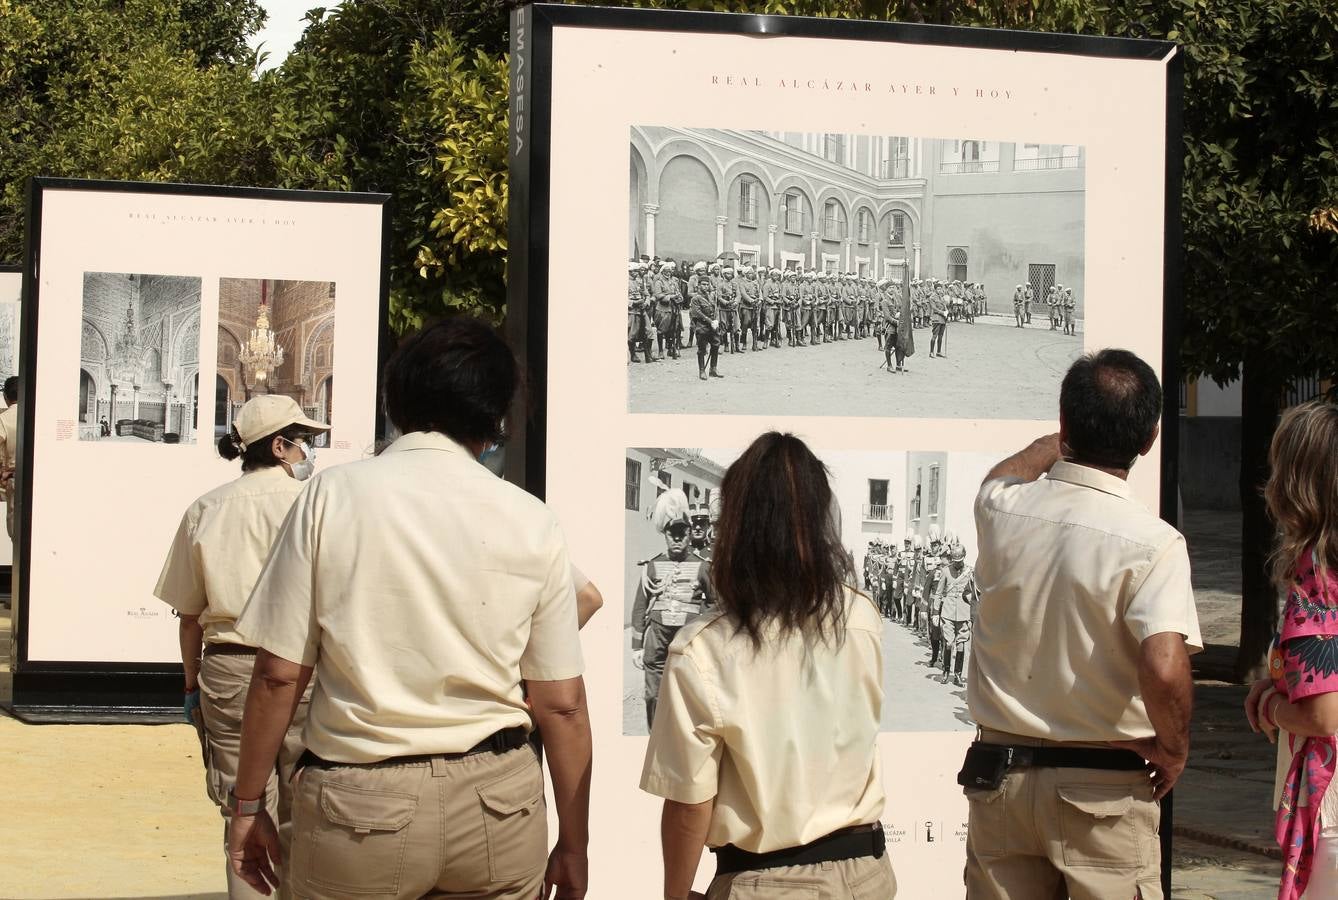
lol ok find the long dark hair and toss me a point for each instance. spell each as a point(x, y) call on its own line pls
point(778, 556)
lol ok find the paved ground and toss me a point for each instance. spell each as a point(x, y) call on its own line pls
point(118, 811)
point(1022, 367)
point(914, 697)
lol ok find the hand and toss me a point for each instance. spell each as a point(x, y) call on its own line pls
point(191, 703)
point(1259, 709)
point(1050, 446)
point(253, 850)
point(1164, 764)
point(639, 658)
point(568, 872)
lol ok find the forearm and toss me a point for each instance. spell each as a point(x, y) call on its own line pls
point(568, 750)
point(1030, 463)
point(683, 828)
point(588, 602)
point(271, 702)
point(1315, 716)
point(190, 634)
point(1167, 685)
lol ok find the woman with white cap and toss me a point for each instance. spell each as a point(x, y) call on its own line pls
point(215, 560)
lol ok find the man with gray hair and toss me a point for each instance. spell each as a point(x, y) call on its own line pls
point(1079, 678)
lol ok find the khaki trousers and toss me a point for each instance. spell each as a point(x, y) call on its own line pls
point(847, 879)
point(471, 827)
point(224, 681)
point(1085, 834)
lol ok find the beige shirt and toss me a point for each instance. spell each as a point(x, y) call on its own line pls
point(221, 546)
point(784, 739)
point(1073, 576)
point(9, 435)
point(423, 588)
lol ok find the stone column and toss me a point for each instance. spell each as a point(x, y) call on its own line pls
point(134, 409)
point(813, 250)
point(651, 210)
point(916, 246)
point(771, 246)
point(720, 222)
point(850, 248)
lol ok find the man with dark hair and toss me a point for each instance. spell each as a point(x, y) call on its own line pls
point(706, 324)
point(9, 448)
point(437, 601)
point(1083, 594)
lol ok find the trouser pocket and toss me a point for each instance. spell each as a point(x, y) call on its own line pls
point(356, 844)
point(1103, 825)
point(514, 822)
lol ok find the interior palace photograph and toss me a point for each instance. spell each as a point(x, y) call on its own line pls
point(139, 366)
point(275, 337)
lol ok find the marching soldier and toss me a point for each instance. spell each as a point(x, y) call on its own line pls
point(727, 296)
point(638, 314)
point(938, 313)
point(808, 298)
point(1019, 299)
point(674, 588)
point(665, 290)
point(750, 307)
point(903, 566)
point(956, 593)
point(771, 308)
point(790, 306)
point(706, 325)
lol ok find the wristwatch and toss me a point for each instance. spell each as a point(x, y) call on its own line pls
point(239, 807)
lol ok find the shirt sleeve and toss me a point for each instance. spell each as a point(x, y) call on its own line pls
point(554, 650)
point(280, 615)
point(181, 584)
point(578, 579)
point(1164, 599)
point(683, 756)
point(1310, 665)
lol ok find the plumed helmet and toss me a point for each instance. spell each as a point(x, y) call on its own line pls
point(919, 542)
point(715, 509)
point(670, 507)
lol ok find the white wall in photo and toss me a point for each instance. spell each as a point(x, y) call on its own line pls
point(11, 289)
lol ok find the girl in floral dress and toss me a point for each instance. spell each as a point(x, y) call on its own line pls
point(1300, 694)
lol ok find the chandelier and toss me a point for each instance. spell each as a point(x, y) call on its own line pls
point(261, 354)
point(127, 350)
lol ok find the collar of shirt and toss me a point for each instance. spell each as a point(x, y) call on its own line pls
point(1086, 476)
point(428, 440)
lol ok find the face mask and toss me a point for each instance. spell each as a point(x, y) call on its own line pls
point(304, 469)
point(487, 453)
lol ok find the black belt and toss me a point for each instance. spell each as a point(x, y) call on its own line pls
point(849, 843)
point(1073, 758)
point(228, 650)
point(498, 742)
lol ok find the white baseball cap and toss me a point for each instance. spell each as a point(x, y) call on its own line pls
point(268, 414)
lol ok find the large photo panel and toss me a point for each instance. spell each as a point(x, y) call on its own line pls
point(159, 311)
point(963, 173)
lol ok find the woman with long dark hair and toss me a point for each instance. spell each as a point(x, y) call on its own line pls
point(215, 559)
point(765, 744)
point(1300, 694)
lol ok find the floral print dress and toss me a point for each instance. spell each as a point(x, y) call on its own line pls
point(1303, 662)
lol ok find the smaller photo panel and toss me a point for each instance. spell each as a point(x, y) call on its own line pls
point(907, 521)
point(275, 337)
point(139, 358)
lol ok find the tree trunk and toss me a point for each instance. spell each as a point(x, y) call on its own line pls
point(1261, 402)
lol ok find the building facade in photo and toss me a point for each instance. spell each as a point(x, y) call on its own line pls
point(649, 472)
point(873, 205)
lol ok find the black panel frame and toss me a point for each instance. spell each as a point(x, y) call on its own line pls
point(81, 691)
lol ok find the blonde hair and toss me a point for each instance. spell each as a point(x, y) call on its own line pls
point(1302, 489)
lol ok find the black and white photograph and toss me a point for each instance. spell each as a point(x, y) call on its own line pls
point(139, 359)
point(886, 275)
point(9, 336)
point(275, 337)
point(907, 520)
